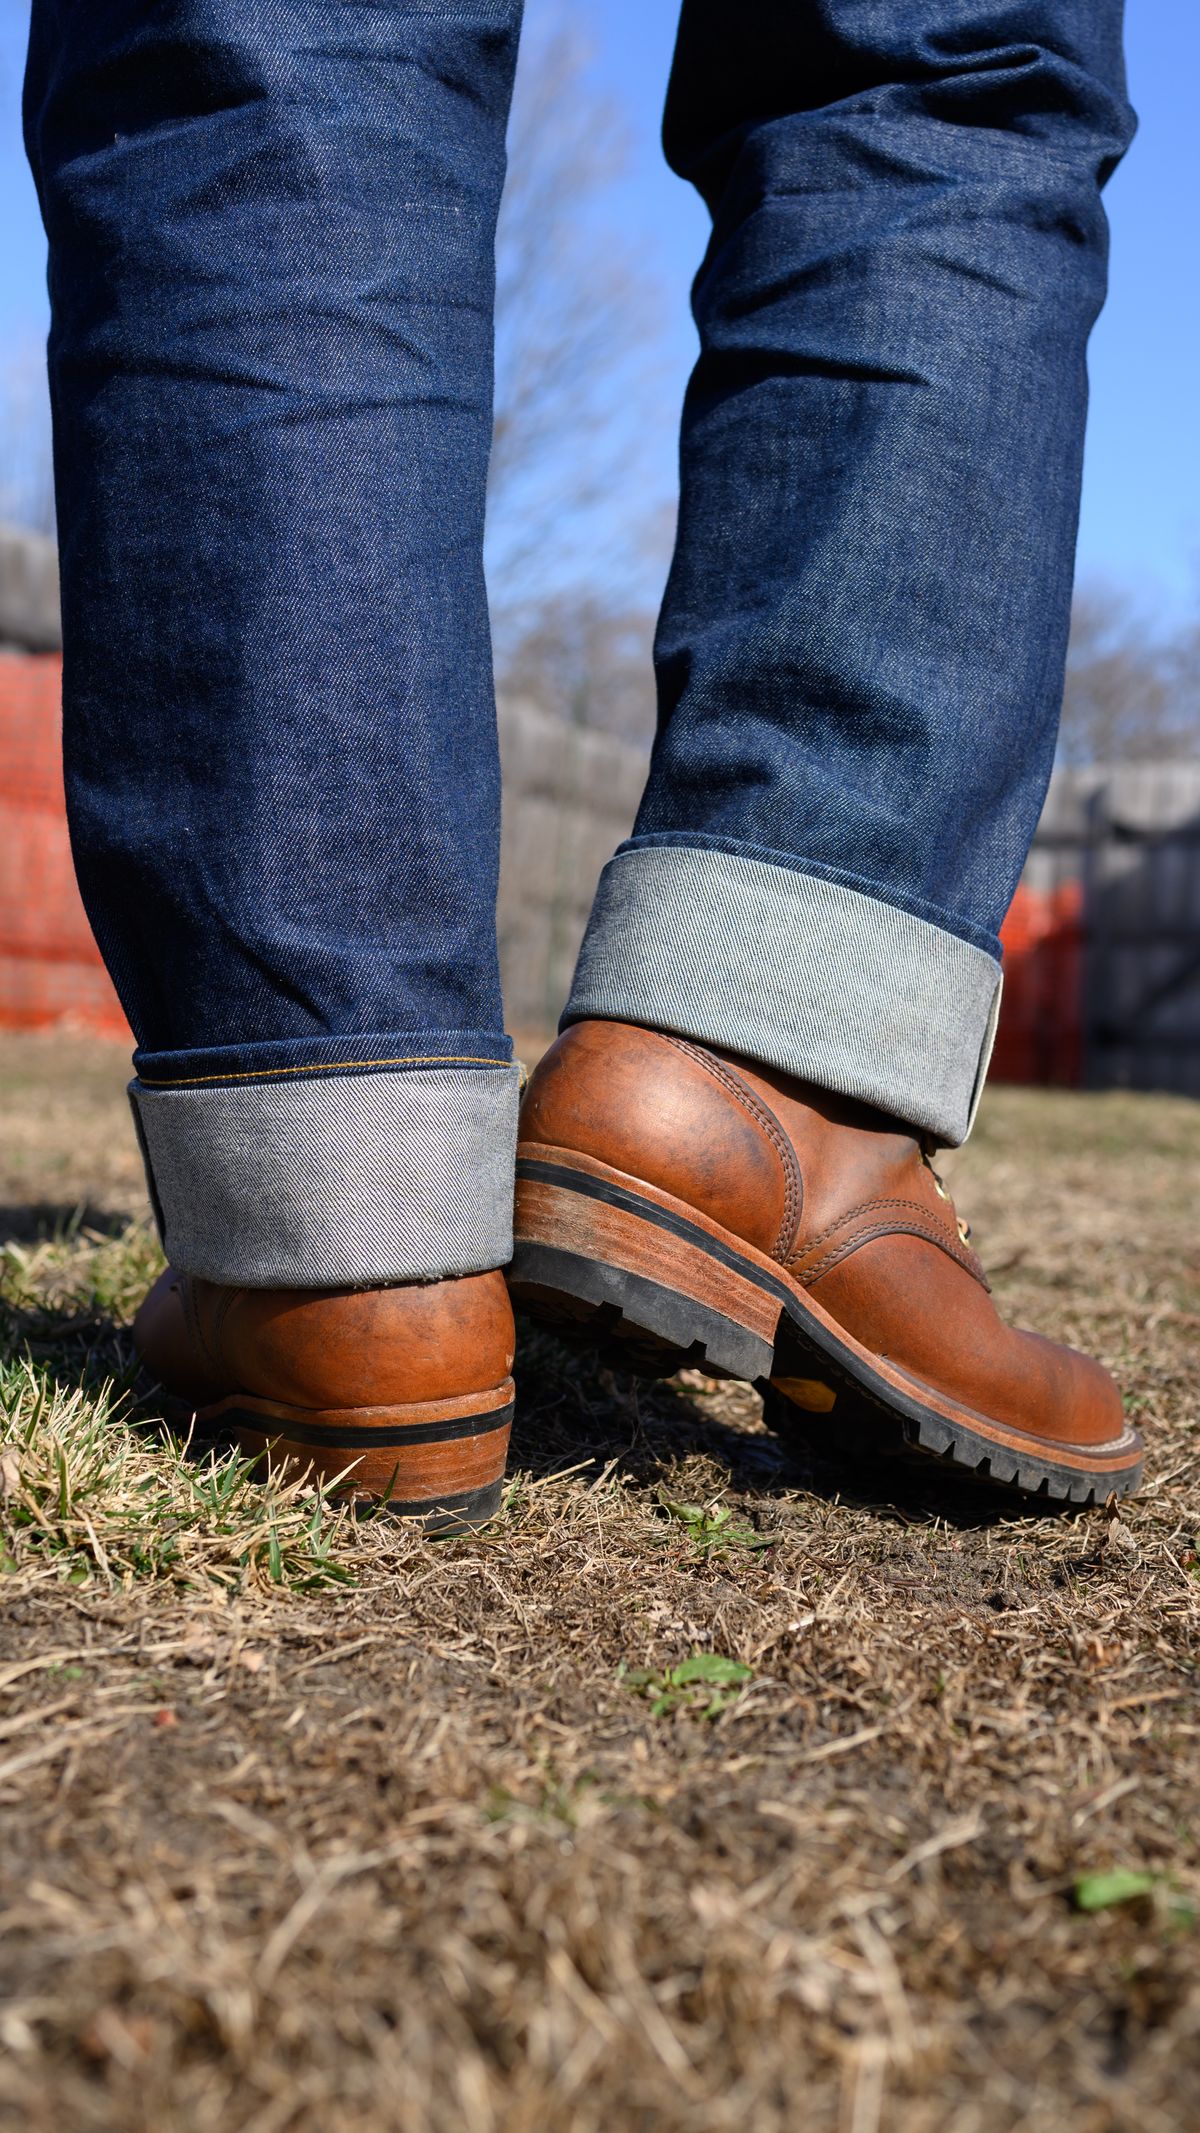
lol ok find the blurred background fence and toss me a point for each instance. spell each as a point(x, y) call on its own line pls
point(570, 795)
point(50, 970)
point(1102, 945)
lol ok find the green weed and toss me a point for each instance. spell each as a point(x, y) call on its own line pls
point(1122, 1884)
point(83, 1490)
point(713, 1529)
point(704, 1684)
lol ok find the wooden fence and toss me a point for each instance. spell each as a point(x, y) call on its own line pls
point(570, 796)
point(1102, 945)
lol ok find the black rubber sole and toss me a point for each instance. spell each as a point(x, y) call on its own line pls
point(633, 1314)
point(868, 1419)
point(441, 1521)
point(439, 1517)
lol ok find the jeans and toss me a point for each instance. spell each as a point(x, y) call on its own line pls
point(271, 230)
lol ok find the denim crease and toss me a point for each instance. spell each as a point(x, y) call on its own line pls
point(271, 234)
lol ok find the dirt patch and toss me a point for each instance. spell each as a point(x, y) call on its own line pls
point(460, 1844)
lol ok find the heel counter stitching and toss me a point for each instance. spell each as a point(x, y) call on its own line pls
point(209, 1350)
point(730, 1081)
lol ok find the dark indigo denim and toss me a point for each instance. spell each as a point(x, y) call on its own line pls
point(860, 655)
point(271, 235)
point(271, 229)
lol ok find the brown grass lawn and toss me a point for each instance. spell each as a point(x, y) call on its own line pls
point(314, 1825)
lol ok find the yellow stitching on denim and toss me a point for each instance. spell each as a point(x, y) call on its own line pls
point(322, 1066)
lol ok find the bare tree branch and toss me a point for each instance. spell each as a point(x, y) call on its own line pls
point(26, 457)
point(576, 531)
point(1132, 691)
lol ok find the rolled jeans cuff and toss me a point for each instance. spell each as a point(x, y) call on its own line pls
point(339, 1181)
point(797, 972)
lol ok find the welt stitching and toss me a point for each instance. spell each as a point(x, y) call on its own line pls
point(225, 1305)
point(890, 1229)
point(765, 1120)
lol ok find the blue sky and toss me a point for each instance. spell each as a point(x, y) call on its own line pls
point(1141, 509)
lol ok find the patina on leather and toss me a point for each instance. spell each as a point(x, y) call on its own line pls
point(403, 1392)
point(844, 1200)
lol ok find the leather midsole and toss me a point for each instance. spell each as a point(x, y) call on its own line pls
point(372, 1427)
point(428, 1449)
point(581, 1213)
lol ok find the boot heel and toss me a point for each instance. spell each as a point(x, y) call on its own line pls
point(440, 1461)
point(598, 1253)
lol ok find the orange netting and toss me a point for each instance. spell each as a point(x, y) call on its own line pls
point(50, 967)
point(1040, 1038)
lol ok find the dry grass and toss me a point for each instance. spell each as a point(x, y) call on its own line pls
point(461, 1843)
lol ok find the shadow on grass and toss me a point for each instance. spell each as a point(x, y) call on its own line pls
point(81, 1350)
point(52, 1222)
point(571, 1408)
point(93, 1353)
point(65, 1284)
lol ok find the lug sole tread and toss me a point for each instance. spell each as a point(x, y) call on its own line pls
point(599, 1303)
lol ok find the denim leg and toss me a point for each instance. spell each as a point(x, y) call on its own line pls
point(271, 230)
point(860, 655)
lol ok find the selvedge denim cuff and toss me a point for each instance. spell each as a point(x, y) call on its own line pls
point(799, 973)
point(337, 1181)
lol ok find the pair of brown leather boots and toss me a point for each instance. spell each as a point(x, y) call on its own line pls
point(683, 1207)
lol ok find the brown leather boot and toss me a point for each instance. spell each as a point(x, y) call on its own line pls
point(402, 1394)
point(702, 1210)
